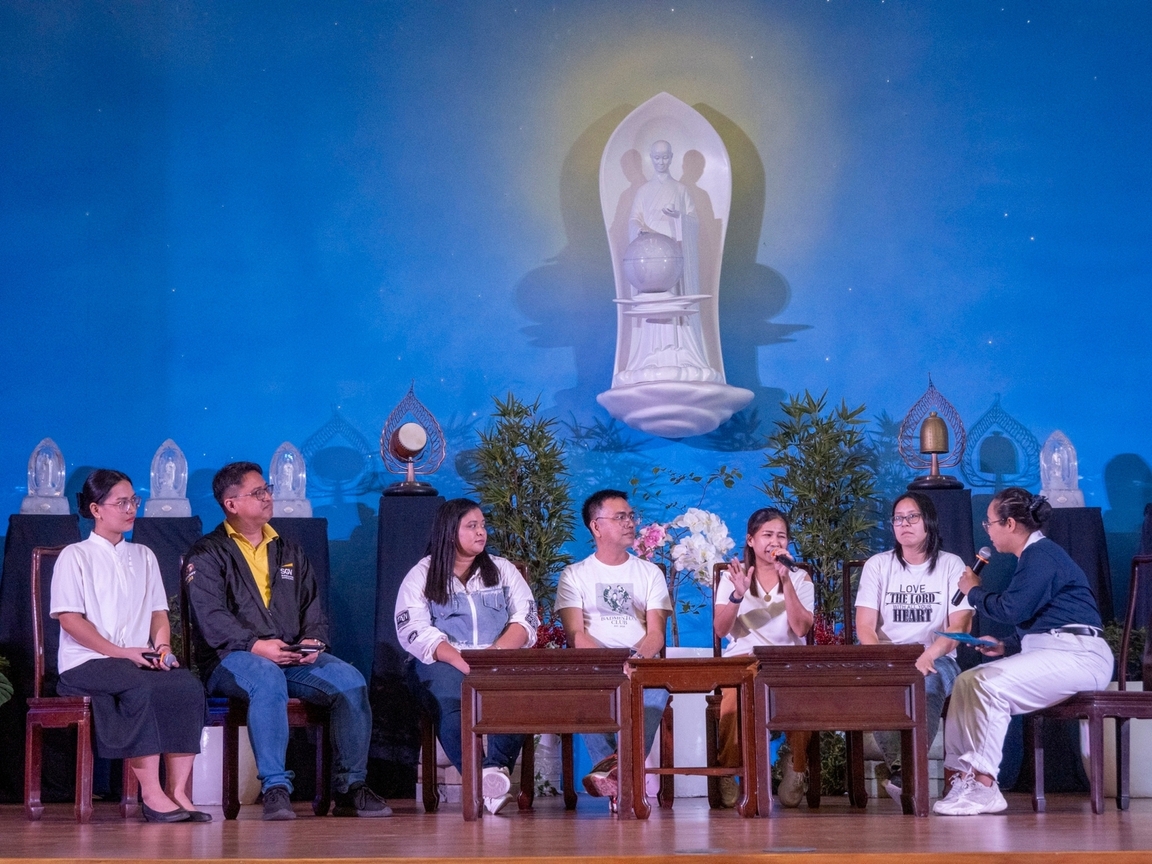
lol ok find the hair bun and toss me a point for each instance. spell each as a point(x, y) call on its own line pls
point(1039, 509)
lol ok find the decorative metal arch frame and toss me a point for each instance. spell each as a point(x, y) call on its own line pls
point(909, 445)
point(410, 409)
point(997, 419)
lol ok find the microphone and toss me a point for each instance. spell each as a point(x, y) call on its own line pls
point(785, 559)
point(982, 558)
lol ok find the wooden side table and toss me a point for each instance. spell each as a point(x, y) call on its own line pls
point(850, 688)
point(695, 675)
point(528, 690)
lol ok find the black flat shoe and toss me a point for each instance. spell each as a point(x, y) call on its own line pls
point(198, 816)
point(177, 815)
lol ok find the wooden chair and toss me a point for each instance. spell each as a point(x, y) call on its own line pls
point(712, 718)
point(853, 741)
point(1094, 706)
point(58, 712)
point(231, 714)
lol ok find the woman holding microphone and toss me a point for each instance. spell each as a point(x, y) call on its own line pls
point(1057, 650)
point(762, 601)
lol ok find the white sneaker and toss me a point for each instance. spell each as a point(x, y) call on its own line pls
point(495, 805)
point(960, 783)
point(969, 797)
point(496, 783)
point(792, 786)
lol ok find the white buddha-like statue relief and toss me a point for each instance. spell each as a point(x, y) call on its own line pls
point(662, 229)
point(666, 238)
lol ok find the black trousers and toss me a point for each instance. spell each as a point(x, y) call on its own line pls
point(139, 712)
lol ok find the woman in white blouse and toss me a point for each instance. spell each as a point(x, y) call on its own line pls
point(762, 601)
point(114, 648)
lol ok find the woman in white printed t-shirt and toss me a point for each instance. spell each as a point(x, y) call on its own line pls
point(762, 602)
point(905, 594)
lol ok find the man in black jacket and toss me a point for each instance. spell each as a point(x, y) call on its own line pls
point(261, 635)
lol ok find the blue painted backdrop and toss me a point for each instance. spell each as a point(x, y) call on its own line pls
point(239, 223)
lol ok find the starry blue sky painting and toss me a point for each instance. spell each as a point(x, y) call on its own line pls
point(234, 223)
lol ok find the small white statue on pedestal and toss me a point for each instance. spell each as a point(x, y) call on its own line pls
point(169, 490)
point(1059, 472)
point(46, 479)
point(667, 239)
point(289, 483)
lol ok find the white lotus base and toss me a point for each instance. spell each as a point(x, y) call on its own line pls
point(674, 409)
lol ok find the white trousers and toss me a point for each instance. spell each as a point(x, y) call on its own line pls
point(1049, 668)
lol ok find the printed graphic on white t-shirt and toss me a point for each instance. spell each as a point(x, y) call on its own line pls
point(614, 599)
point(910, 601)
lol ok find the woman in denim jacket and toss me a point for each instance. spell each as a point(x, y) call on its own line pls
point(459, 597)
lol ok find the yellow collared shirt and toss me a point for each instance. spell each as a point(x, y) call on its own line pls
point(257, 557)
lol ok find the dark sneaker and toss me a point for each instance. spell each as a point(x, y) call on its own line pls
point(277, 805)
point(361, 801)
point(603, 779)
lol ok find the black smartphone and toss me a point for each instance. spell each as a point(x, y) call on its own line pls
point(299, 648)
point(150, 655)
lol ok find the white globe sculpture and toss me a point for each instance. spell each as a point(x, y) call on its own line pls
point(652, 264)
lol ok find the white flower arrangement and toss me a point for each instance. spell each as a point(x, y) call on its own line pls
point(698, 539)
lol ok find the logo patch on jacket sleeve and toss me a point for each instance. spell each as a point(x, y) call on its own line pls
point(287, 572)
point(412, 636)
point(402, 618)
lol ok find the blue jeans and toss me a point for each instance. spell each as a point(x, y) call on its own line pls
point(937, 686)
point(601, 746)
point(329, 681)
point(437, 685)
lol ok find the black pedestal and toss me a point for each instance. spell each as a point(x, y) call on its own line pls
point(954, 510)
point(25, 533)
point(169, 539)
point(402, 540)
point(312, 536)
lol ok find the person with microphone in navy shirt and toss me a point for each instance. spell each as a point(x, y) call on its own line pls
point(1057, 650)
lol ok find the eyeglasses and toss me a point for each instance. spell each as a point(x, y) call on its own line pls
point(910, 519)
point(622, 518)
point(124, 505)
point(262, 493)
point(987, 524)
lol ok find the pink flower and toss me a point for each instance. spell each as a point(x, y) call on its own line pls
point(650, 538)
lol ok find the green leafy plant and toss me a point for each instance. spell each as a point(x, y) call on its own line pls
point(521, 480)
point(833, 764)
point(823, 479)
point(1114, 634)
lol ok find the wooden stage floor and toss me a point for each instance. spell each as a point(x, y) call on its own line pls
point(549, 835)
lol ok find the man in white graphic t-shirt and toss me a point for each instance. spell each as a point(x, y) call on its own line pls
point(612, 599)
